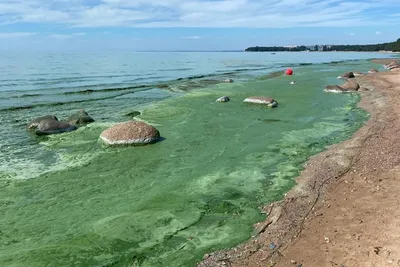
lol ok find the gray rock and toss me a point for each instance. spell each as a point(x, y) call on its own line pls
point(270, 102)
point(133, 114)
point(358, 74)
point(346, 75)
point(130, 133)
point(389, 65)
point(393, 67)
point(373, 71)
point(223, 99)
point(228, 81)
point(47, 127)
point(80, 118)
point(33, 124)
point(351, 86)
point(347, 87)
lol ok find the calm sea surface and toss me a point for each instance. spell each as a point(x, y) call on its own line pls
point(67, 201)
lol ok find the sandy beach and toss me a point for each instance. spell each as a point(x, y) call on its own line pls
point(344, 209)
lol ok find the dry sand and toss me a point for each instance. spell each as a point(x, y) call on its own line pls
point(344, 210)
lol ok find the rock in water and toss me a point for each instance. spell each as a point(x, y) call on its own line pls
point(346, 75)
point(347, 87)
point(357, 74)
point(223, 99)
point(373, 71)
point(130, 133)
point(47, 127)
point(334, 89)
point(33, 124)
point(133, 114)
point(350, 86)
point(389, 65)
point(80, 118)
point(392, 67)
point(228, 81)
point(270, 102)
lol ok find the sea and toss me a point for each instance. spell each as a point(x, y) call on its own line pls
point(67, 200)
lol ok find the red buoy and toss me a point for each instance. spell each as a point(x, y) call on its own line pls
point(289, 72)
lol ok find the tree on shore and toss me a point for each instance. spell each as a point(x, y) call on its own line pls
point(393, 46)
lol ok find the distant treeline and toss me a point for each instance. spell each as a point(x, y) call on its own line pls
point(393, 46)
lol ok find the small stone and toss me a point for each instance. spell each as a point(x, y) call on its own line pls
point(293, 262)
point(326, 239)
point(299, 265)
point(223, 99)
point(270, 102)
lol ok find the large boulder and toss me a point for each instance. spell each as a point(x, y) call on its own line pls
point(130, 133)
point(80, 118)
point(33, 124)
point(223, 99)
point(346, 75)
point(347, 87)
point(47, 127)
point(270, 102)
point(373, 71)
point(392, 67)
point(350, 86)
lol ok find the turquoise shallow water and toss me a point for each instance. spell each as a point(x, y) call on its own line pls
point(67, 201)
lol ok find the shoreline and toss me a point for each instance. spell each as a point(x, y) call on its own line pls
point(305, 227)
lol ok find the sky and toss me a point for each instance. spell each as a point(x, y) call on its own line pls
point(194, 24)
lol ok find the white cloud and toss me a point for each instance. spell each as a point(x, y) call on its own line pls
point(66, 36)
point(192, 37)
point(16, 34)
point(378, 33)
point(198, 13)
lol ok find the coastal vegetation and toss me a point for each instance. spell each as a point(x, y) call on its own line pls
point(392, 46)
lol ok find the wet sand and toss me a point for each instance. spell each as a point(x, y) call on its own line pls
point(344, 210)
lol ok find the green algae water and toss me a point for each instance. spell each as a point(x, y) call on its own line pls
point(66, 200)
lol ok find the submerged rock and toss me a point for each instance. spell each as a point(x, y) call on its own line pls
point(163, 86)
point(228, 81)
point(346, 75)
point(373, 71)
point(80, 118)
point(133, 114)
point(294, 82)
point(47, 127)
point(130, 133)
point(270, 102)
point(33, 124)
point(223, 99)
